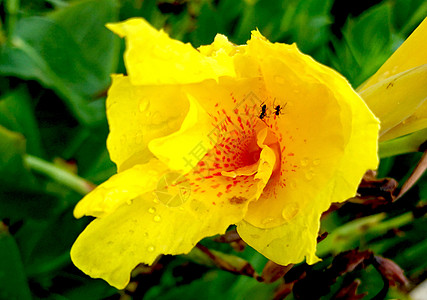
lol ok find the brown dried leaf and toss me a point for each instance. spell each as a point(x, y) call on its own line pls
point(273, 272)
point(391, 271)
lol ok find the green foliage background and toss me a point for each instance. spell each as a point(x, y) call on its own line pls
point(55, 61)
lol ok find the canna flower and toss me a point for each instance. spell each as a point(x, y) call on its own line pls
point(258, 135)
point(397, 92)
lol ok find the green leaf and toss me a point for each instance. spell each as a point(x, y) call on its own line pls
point(69, 55)
point(307, 24)
point(21, 205)
point(13, 173)
point(366, 45)
point(94, 289)
point(16, 114)
point(13, 282)
point(407, 14)
point(215, 19)
point(85, 22)
point(46, 244)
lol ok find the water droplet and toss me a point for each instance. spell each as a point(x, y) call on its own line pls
point(267, 221)
point(129, 201)
point(157, 218)
point(152, 210)
point(145, 234)
point(143, 105)
point(304, 162)
point(316, 162)
point(148, 114)
point(309, 175)
point(150, 248)
point(293, 184)
point(290, 211)
point(155, 200)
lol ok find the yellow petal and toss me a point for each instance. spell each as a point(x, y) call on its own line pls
point(193, 136)
point(110, 247)
point(333, 144)
point(417, 121)
point(222, 51)
point(152, 57)
point(295, 240)
point(121, 188)
point(397, 98)
point(170, 219)
point(139, 114)
point(313, 129)
point(410, 54)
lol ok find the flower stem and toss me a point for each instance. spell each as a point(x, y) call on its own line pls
point(60, 175)
point(12, 7)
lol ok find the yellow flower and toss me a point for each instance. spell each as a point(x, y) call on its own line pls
point(258, 135)
point(397, 92)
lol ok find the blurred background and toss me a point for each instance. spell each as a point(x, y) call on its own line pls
point(55, 60)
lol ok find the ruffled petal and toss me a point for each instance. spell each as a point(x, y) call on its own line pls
point(139, 114)
point(179, 211)
point(296, 238)
point(310, 125)
point(121, 188)
point(193, 134)
point(152, 57)
point(138, 232)
point(324, 151)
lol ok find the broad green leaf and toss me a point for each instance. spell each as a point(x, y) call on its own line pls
point(46, 244)
point(13, 172)
point(65, 53)
point(21, 205)
point(264, 15)
point(407, 14)
point(16, 114)
point(13, 281)
point(213, 19)
point(367, 43)
point(307, 23)
point(85, 22)
point(94, 289)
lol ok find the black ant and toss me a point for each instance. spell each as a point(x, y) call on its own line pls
point(278, 109)
point(263, 111)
